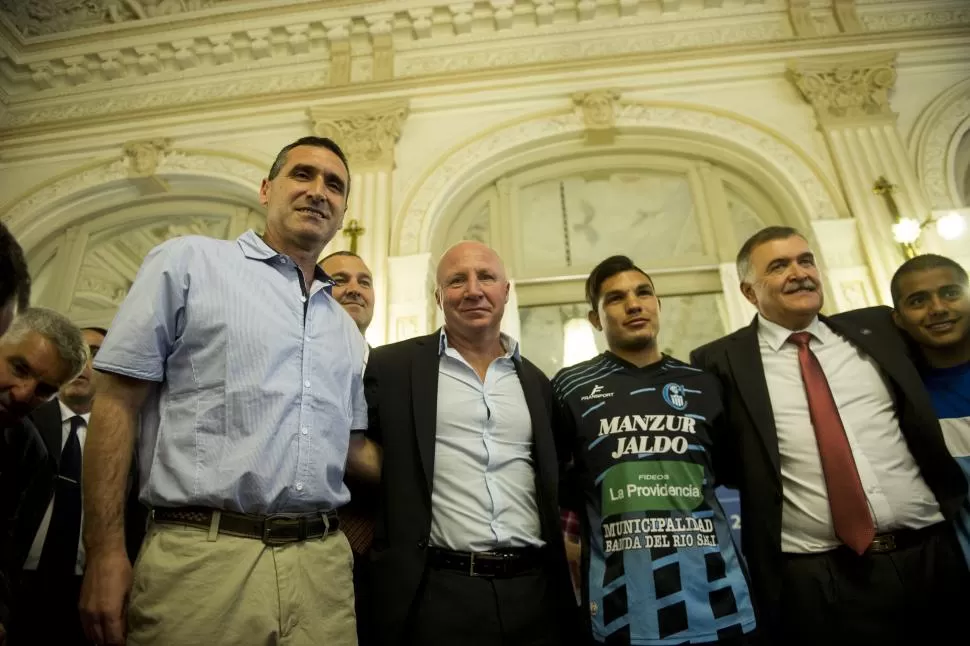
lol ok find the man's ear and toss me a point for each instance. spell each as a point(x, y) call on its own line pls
point(437, 297)
point(748, 291)
point(264, 192)
point(897, 319)
point(594, 319)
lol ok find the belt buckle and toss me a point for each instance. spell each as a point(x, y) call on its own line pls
point(883, 543)
point(280, 521)
point(471, 564)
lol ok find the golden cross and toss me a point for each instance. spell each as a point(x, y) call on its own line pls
point(353, 230)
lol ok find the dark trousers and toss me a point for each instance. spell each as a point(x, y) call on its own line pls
point(363, 602)
point(45, 611)
point(453, 608)
point(905, 597)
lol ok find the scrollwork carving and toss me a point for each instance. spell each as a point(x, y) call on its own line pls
point(40, 17)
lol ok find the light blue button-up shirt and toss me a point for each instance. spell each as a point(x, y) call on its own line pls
point(256, 396)
point(484, 493)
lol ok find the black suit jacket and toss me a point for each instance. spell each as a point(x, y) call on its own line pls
point(22, 460)
point(47, 419)
point(736, 360)
point(401, 383)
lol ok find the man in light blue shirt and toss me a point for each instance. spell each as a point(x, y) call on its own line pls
point(247, 376)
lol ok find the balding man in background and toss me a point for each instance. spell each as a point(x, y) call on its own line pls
point(468, 547)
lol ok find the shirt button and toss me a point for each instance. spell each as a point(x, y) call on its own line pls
point(299, 486)
point(282, 260)
point(304, 430)
point(306, 384)
point(303, 299)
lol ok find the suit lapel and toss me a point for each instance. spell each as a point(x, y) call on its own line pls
point(744, 358)
point(545, 448)
point(424, 392)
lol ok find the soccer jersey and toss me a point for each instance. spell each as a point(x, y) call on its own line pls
point(950, 390)
point(660, 565)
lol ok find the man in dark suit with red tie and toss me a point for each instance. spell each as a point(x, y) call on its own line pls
point(844, 477)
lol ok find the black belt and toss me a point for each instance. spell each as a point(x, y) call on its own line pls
point(903, 538)
point(275, 529)
point(500, 563)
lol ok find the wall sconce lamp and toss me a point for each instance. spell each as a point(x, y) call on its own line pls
point(950, 225)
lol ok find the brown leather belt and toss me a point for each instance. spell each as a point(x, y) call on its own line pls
point(274, 529)
point(903, 538)
point(500, 563)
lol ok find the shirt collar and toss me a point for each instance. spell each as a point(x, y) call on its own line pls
point(67, 413)
point(776, 336)
point(510, 345)
point(255, 247)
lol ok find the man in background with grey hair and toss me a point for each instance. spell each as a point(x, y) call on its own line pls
point(39, 352)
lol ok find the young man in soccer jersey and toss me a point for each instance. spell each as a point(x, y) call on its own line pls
point(659, 565)
point(931, 300)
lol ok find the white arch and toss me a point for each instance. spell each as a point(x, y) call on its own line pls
point(56, 204)
point(933, 144)
point(416, 220)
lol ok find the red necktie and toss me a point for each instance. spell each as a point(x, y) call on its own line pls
point(847, 500)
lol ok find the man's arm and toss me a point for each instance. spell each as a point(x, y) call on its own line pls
point(107, 459)
point(365, 456)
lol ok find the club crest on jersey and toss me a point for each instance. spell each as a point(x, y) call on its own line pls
point(675, 396)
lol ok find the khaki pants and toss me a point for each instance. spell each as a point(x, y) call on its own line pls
point(193, 587)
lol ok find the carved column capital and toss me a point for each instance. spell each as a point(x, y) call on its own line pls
point(599, 114)
point(367, 133)
point(843, 89)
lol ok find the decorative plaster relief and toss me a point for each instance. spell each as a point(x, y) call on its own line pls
point(143, 156)
point(895, 19)
point(41, 17)
point(367, 132)
point(846, 87)
point(934, 144)
point(461, 163)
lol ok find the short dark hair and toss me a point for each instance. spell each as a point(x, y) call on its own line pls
point(607, 269)
point(14, 277)
point(924, 262)
point(319, 142)
point(100, 330)
point(768, 234)
point(340, 253)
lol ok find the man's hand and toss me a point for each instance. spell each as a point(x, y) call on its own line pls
point(104, 597)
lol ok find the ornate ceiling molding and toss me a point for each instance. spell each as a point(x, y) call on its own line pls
point(846, 87)
point(413, 226)
point(934, 138)
point(38, 207)
point(367, 132)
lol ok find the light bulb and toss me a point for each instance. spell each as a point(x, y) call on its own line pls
point(906, 231)
point(951, 226)
point(579, 344)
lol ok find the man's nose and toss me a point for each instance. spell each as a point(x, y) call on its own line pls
point(633, 304)
point(937, 306)
point(25, 392)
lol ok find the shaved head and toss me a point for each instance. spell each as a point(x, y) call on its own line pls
point(472, 290)
point(460, 249)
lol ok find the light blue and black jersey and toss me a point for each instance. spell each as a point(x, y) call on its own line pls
point(660, 565)
point(949, 389)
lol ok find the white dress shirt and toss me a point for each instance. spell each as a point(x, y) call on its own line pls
point(33, 557)
point(897, 495)
point(484, 495)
